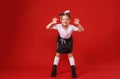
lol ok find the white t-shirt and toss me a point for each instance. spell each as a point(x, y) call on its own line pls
point(65, 33)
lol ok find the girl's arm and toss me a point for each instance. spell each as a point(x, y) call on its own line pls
point(80, 27)
point(54, 21)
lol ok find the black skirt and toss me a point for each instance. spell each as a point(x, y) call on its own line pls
point(64, 46)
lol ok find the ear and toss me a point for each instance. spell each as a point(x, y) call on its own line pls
point(60, 20)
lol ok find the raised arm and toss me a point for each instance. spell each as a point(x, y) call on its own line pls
point(80, 27)
point(54, 21)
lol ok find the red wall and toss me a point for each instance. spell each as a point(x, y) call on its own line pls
point(26, 43)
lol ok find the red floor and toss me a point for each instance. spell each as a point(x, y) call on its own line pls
point(99, 71)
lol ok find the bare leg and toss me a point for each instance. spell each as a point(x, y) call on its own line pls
point(72, 63)
point(58, 54)
point(71, 59)
point(70, 55)
point(55, 63)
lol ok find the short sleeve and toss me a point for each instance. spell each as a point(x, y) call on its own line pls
point(74, 28)
point(55, 26)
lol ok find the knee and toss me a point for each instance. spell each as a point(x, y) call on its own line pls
point(70, 55)
point(57, 54)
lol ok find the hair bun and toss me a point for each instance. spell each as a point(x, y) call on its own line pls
point(67, 11)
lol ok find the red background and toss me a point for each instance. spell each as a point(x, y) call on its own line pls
point(26, 44)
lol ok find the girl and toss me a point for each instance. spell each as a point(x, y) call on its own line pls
point(64, 40)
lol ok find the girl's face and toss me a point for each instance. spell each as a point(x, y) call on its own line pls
point(65, 20)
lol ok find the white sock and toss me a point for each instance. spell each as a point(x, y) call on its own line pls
point(56, 60)
point(71, 60)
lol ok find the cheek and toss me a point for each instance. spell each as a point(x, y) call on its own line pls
point(68, 21)
point(62, 21)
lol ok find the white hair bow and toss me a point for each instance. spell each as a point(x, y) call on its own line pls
point(67, 11)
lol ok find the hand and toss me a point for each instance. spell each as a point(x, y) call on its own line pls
point(76, 21)
point(54, 20)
